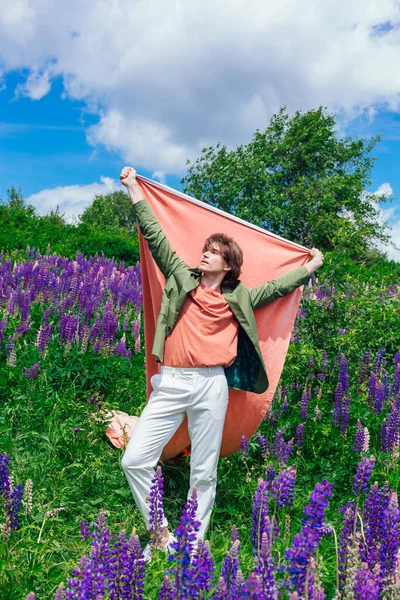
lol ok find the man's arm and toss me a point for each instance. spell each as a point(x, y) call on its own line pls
point(160, 248)
point(281, 286)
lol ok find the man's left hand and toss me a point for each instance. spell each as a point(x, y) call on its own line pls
point(317, 258)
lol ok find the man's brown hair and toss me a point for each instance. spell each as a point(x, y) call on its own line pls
point(231, 252)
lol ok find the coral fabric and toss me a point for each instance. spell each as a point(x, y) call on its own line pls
point(187, 223)
point(120, 428)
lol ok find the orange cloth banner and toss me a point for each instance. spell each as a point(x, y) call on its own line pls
point(187, 223)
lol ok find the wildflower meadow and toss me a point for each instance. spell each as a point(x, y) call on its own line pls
point(308, 509)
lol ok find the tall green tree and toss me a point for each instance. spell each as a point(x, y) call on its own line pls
point(110, 212)
point(17, 203)
point(298, 179)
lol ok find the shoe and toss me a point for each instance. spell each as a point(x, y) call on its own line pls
point(147, 552)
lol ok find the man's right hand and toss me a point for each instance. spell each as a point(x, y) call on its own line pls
point(128, 179)
point(127, 176)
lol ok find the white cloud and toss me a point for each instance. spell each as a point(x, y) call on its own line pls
point(391, 217)
point(71, 199)
point(168, 76)
point(384, 190)
point(36, 86)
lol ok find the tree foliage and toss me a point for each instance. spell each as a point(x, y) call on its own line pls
point(22, 227)
point(298, 179)
point(110, 212)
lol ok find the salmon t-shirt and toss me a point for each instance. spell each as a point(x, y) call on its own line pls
point(205, 333)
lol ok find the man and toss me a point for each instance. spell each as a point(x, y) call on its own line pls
point(206, 340)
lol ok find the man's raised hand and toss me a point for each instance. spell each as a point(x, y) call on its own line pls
point(127, 176)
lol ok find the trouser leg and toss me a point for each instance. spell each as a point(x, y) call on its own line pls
point(206, 417)
point(158, 422)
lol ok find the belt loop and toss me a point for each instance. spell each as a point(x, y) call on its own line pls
point(173, 371)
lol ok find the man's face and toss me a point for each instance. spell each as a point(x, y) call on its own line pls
point(213, 262)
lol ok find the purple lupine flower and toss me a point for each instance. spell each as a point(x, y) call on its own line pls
point(365, 365)
point(299, 436)
point(167, 591)
point(252, 588)
point(136, 328)
point(84, 527)
point(263, 444)
point(379, 360)
point(185, 534)
point(31, 596)
point(342, 331)
point(306, 542)
point(390, 540)
point(344, 414)
point(379, 397)
point(117, 557)
point(314, 511)
point(221, 593)
point(230, 567)
point(59, 593)
point(386, 386)
point(94, 331)
point(363, 474)
point(272, 417)
point(22, 329)
point(366, 585)
point(259, 516)
point(359, 438)
point(270, 474)
point(346, 536)
point(264, 568)
point(376, 504)
point(203, 569)
point(244, 446)
point(384, 436)
point(339, 393)
point(5, 486)
point(121, 568)
point(372, 389)
point(305, 399)
point(284, 403)
point(282, 488)
point(304, 545)
point(3, 325)
point(137, 569)
point(282, 449)
point(14, 506)
point(32, 372)
point(44, 337)
point(121, 349)
point(156, 508)
point(393, 428)
point(46, 316)
point(395, 389)
point(100, 552)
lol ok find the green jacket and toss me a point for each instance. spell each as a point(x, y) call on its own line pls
point(248, 371)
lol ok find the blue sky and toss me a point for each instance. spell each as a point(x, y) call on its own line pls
point(84, 91)
point(43, 143)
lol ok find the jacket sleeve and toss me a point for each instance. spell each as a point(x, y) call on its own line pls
point(165, 257)
point(278, 287)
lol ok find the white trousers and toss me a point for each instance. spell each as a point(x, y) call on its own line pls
point(201, 394)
